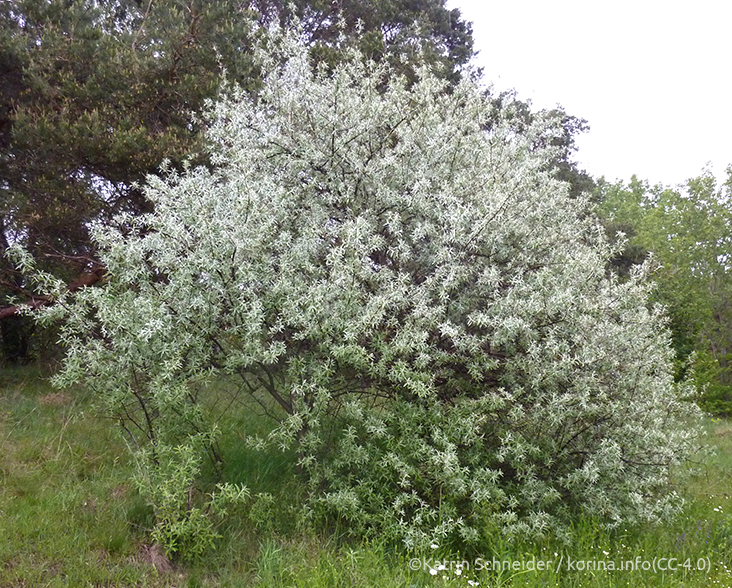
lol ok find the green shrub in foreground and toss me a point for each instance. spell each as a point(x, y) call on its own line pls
point(425, 309)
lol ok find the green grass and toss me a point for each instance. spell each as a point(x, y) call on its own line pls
point(70, 516)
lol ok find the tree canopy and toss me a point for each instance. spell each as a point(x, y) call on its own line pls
point(97, 94)
point(398, 278)
point(688, 231)
point(395, 30)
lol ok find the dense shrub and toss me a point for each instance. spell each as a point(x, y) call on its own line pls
point(400, 280)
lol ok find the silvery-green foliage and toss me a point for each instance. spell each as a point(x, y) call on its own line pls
point(185, 522)
point(427, 310)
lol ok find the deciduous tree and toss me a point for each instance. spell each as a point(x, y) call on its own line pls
point(417, 301)
point(689, 233)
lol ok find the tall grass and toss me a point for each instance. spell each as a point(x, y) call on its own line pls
point(69, 516)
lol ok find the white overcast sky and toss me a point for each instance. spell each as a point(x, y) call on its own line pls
point(653, 78)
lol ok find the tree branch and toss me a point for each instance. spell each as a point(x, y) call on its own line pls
point(36, 301)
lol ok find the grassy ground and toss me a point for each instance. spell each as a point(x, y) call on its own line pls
point(69, 516)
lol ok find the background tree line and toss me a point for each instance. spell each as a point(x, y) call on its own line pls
point(688, 233)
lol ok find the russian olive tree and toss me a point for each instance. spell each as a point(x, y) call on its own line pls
point(409, 292)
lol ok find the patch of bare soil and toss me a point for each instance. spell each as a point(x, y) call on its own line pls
point(55, 399)
point(155, 556)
